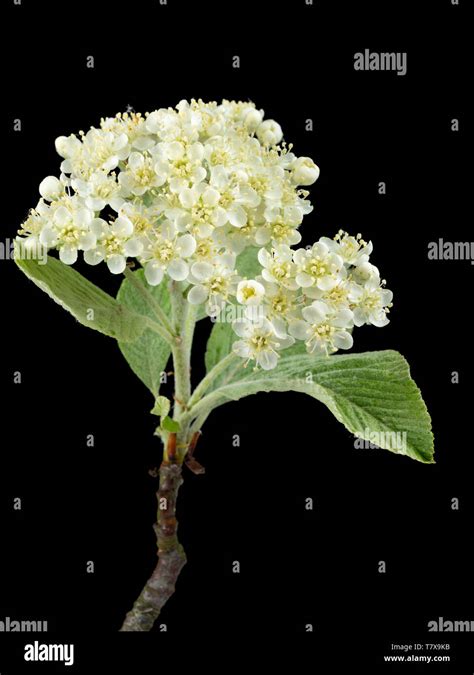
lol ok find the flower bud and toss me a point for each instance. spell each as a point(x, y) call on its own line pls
point(50, 188)
point(252, 118)
point(61, 144)
point(305, 171)
point(269, 132)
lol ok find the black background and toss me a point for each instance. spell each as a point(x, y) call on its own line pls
point(297, 566)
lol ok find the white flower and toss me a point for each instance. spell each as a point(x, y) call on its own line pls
point(317, 266)
point(98, 191)
point(305, 171)
point(269, 132)
point(167, 251)
point(164, 124)
point(206, 250)
point(365, 271)
point(345, 294)
point(143, 218)
point(236, 239)
point(280, 303)
point(68, 230)
point(181, 165)
point(250, 292)
point(323, 330)
point(373, 305)
point(353, 250)
point(280, 231)
point(236, 196)
point(260, 342)
point(213, 283)
point(98, 150)
point(115, 242)
point(278, 266)
point(140, 175)
point(32, 227)
point(200, 212)
point(133, 125)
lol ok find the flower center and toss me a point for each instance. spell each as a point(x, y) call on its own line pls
point(69, 234)
point(317, 267)
point(163, 252)
point(280, 231)
point(145, 174)
point(218, 284)
point(248, 292)
point(280, 304)
point(281, 270)
point(337, 296)
point(259, 342)
point(141, 224)
point(112, 244)
point(201, 213)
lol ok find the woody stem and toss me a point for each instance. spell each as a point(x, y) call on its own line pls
point(171, 556)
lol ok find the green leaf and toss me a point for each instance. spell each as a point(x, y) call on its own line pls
point(371, 394)
point(170, 425)
point(162, 406)
point(148, 355)
point(247, 264)
point(89, 304)
point(219, 343)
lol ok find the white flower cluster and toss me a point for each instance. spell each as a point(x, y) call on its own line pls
point(184, 191)
point(315, 294)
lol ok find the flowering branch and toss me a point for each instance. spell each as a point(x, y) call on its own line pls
point(209, 199)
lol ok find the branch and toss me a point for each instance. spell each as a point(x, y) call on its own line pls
point(206, 382)
point(184, 320)
point(172, 558)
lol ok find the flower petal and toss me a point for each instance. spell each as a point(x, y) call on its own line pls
point(202, 270)
point(93, 257)
point(68, 255)
point(133, 247)
point(343, 340)
point(198, 294)
point(153, 273)
point(178, 270)
point(116, 264)
point(186, 245)
point(299, 329)
point(122, 227)
point(237, 216)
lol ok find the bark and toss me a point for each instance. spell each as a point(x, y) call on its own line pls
point(171, 556)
